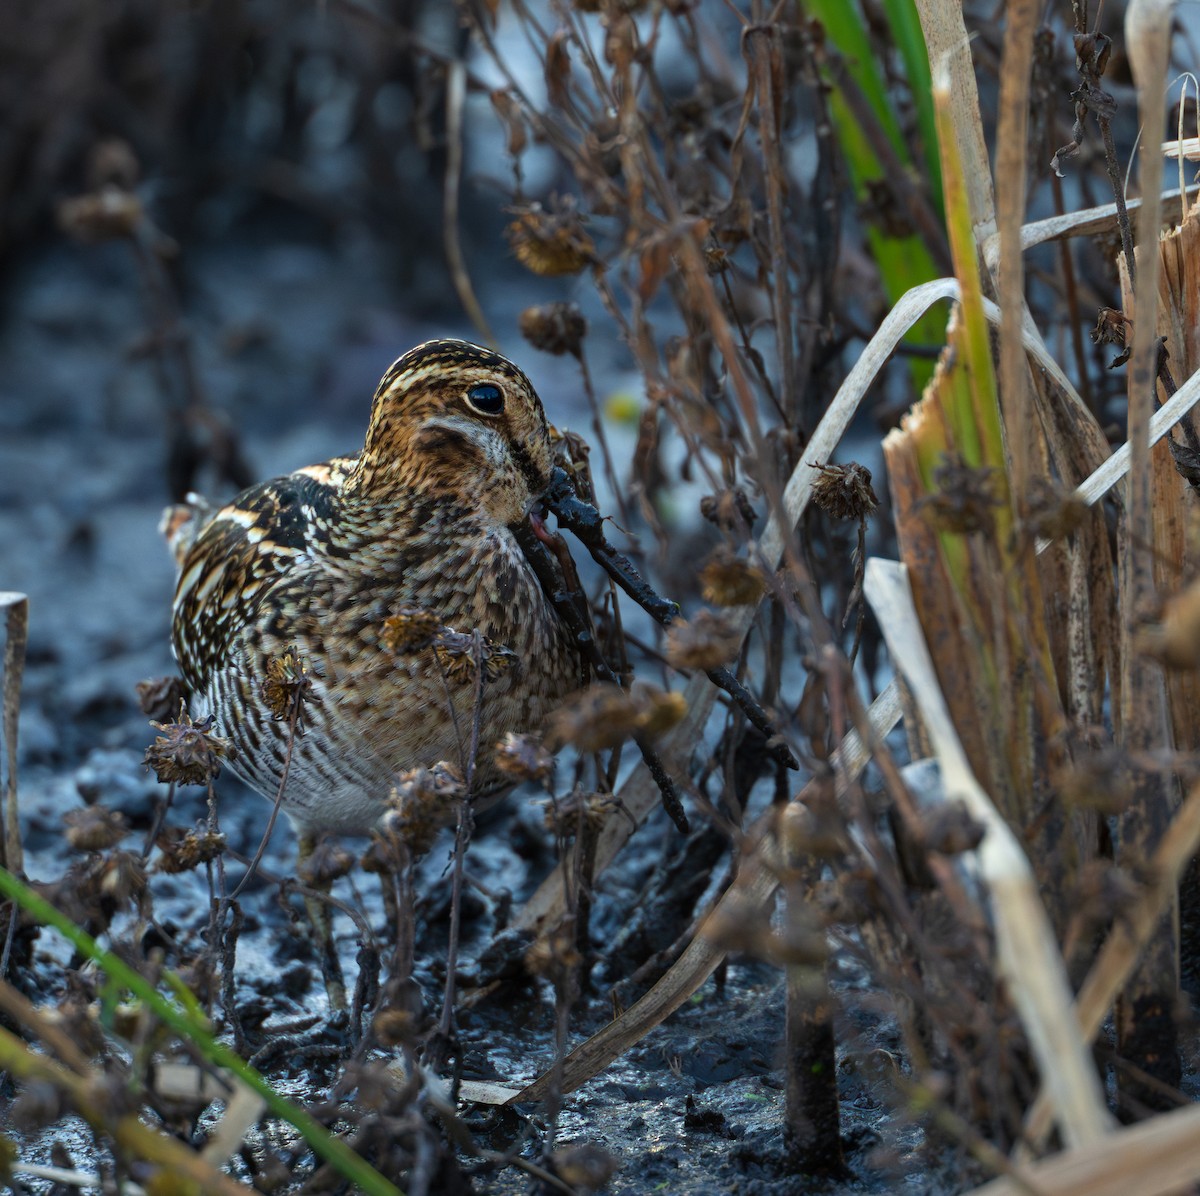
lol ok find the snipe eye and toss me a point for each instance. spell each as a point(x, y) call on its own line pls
point(486, 399)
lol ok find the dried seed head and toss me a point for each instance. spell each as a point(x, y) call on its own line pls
point(966, 497)
point(410, 629)
point(329, 862)
point(384, 855)
point(812, 826)
point(658, 710)
point(422, 801)
point(553, 955)
point(288, 685)
point(104, 215)
point(1174, 640)
point(844, 491)
point(187, 752)
point(38, 1104)
point(94, 828)
point(746, 927)
point(396, 1028)
point(584, 1165)
point(716, 259)
point(1053, 512)
point(160, 697)
point(550, 243)
point(457, 653)
point(593, 719)
point(181, 851)
point(523, 758)
point(729, 580)
point(1112, 329)
point(122, 877)
point(565, 815)
point(706, 641)
point(1096, 780)
point(883, 208)
point(113, 162)
point(602, 716)
point(731, 510)
point(555, 328)
point(950, 829)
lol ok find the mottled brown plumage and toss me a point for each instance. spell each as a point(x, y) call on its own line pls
point(352, 563)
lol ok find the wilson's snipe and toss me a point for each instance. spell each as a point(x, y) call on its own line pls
point(375, 571)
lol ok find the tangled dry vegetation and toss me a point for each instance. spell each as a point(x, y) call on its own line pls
point(1023, 910)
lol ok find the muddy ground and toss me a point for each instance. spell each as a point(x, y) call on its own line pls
point(290, 336)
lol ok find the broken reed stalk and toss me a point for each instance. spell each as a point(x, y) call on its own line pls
point(1146, 1032)
point(16, 630)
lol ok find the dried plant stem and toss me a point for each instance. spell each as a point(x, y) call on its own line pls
point(760, 44)
point(16, 627)
point(1145, 1025)
point(293, 723)
point(456, 92)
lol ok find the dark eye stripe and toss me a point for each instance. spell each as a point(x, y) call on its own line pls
point(486, 398)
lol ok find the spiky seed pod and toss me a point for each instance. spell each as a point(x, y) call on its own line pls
point(731, 510)
point(555, 328)
point(1053, 512)
point(187, 752)
point(181, 851)
point(410, 629)
point(122, 877)
point(603, 716)
point(104, 215)
point(524, 757)
point(730, 580)
point(457, 654)
point(94, 828)
point(396, 1028)
point(564, 815)
point(966, 497)
point(288, 685)
point(329, 862)
point(550, 243)
point(844, 491)
point(950, 829)
point(599, 717)
point(706, 641)
point(1112, 329)
point(553, 955)
point(422, 801)
point(658, 710)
